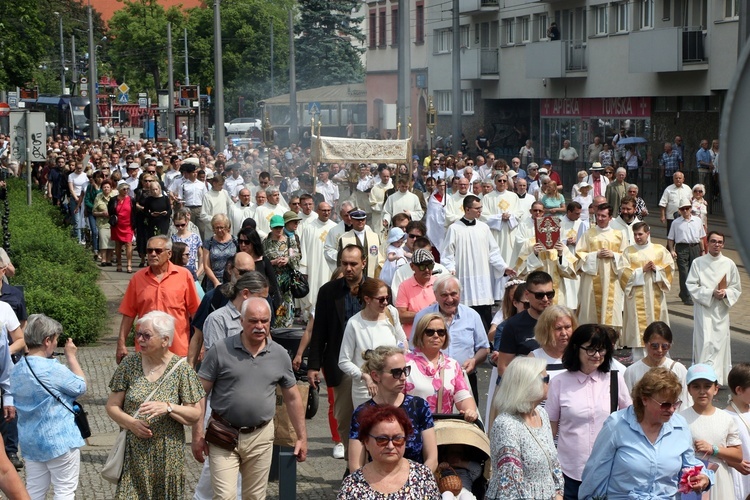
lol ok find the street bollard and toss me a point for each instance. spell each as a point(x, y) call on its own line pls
point(284, 469)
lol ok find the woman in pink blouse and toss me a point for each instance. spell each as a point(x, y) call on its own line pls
point(434, 376)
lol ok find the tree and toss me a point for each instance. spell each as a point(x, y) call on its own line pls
point(326, 51)
point(23, 41)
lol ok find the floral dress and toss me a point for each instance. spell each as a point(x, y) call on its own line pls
point(425, 381)
point(420, 485)
point(155, 467)
point(193, 242)
point(284, 247)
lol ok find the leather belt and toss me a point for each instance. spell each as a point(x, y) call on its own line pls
point(688, 244)
point(243, 430)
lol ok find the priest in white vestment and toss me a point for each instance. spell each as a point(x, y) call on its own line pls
point(402, 201)
point(624, 222)
point(714, 284)
point(435, 215)
point(243, 209)
point(216, 201)
point(306, 212)
point(454, 207)
point(571, 230)
point(331, 246)
point(524, 198)
point(377, 199)
point(313, 263)
point(271, 207)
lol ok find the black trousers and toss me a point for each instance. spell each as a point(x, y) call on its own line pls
point(686, 254)
point(485, 312)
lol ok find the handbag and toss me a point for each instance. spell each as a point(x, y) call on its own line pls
point(112, 469)
point(113, 220)
point(298, 284)
point(614, 387)
point(79, 414)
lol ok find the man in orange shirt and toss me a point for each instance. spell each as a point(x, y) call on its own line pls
point(162, 286)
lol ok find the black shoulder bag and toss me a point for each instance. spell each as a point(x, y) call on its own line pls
point(80, 415)
point(614, 387)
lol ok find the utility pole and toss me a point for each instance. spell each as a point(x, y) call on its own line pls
point(93, 100)
point(458, 104)
point(170, 84)
point(62, 55)
point(404, 68)
point(187, 73)
point(218, 81)
point(74, 60)
point(271, 60)
point(292, 84)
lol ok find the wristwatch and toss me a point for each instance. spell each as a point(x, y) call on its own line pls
point(169, 408)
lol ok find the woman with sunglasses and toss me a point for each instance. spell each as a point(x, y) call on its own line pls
point(578, 402)
point(524, 458)
point(386, 366)
point(435, 377)
point(377, 324)
point(192, 240)
point(642, 450)
point(390, 474)
point(657, 339)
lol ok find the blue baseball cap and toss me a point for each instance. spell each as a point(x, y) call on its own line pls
point(701, 371)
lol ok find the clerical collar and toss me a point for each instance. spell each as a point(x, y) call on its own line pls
point(347, 227)
point(468, 222)
point(522, 196)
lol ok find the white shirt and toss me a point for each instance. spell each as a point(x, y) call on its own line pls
point(192, 193)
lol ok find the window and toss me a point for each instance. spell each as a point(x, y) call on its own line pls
point(465, 41)
point(647, 14)
point(467, 96)
point(444, 41)
point(524, 23)
point(443, 101)
point(730, 9)
point(508, 27)
point(381, 29)
point(419, 16)
point(601, 19)
point(623, 20)
point(394, 27)
point(666, 12)
point(373, 29)
point(542, 21)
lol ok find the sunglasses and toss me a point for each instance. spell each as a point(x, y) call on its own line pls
point(398, 372)
point(430, 332)
point(157, 251)
point(243, 242)
point(145, 336)
point(383, 441)
point(425, 266)
point(540, 295)
point(382, 300)
point(180, 225)
point(502, 181)
point(545, 379)
point(655, 346)
point(414, 236)
point(663, 405)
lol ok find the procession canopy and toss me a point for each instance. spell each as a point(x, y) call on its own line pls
point(347, 150)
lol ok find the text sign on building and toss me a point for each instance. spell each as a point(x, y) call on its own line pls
point(625, 107)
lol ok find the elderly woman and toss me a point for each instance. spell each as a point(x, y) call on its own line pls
point(524, 457)
point(553, 331)
point(383, 433)
point(155, 445)
point(578, 401)
point(121, 206)
point(283, 249)
point(386, 367)
point(641, 451)
point(47, 431)
point(217, 250)
point(434, 376)
point(158, 211)
point(377, 324)
point(640, 206)
point(101, 215)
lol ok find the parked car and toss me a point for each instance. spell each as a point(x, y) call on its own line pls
point(241, 126)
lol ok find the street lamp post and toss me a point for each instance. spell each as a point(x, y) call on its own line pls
point(268, 138)
point(431, 120)
point(62, 54)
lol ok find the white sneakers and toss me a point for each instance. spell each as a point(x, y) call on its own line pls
point(338, 451)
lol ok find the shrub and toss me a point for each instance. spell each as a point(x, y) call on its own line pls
point(58, 276)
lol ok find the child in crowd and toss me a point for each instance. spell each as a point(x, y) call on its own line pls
point(396, 255)
point(738, 381)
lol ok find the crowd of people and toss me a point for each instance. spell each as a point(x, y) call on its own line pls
point(405, 267)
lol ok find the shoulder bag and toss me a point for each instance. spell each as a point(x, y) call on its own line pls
point(298, 284)
point(614, 386)
point(112, 469)
point(79, 414)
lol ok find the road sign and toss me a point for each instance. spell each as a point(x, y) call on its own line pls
point(313, 108)
point(122, 98)
point(84, 93)
point(123, 88)
point(13, 101)
point(142, 102)
point(37, 134)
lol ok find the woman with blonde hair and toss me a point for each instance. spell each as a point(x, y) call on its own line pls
point(553, 330)
point(554, 202)
point(217, 250)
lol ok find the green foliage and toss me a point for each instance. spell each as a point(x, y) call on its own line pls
point(58, 275)
point(330, 42)
point(23, 41)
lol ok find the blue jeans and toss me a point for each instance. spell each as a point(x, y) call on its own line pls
point(77, 218)
point(94, 233)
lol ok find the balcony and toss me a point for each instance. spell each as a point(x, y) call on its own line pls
point(666, 50)
point(489, 63)
point(471, 6)
point(556, 59)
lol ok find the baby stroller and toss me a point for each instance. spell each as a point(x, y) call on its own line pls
point(289, 338)
point(466, 448)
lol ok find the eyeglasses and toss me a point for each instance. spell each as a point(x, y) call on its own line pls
point(382, 300)
point(398, 372)
point(425, 266)
point(180, 225)
point(469, 164)
point(430, 332)
point(144, 335)
point(414, 236)
point(655, 346)
point(243, 242)
point(716, 242)
point(540, 295)
point(157, 251)
point(545, 379)
point(593, 351)
point(664, 405)
point(383, 441)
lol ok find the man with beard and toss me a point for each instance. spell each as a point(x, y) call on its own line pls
point(624, 221)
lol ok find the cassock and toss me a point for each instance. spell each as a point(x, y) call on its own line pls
point(472, 253)
point(377, 199)
point(435, 220)
point(645, 292)
point(313, 263)
point(524, 205)
point(494, 205)
point(264, 213)
point(214, 203)
point(550, 262)
point(600, 295)
point(524, 232)
point(238, 213)
point(400, 202)
point(627, 229)
point(454, 208)
point(711, 315)
point(571, 229)
point(306, 219)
